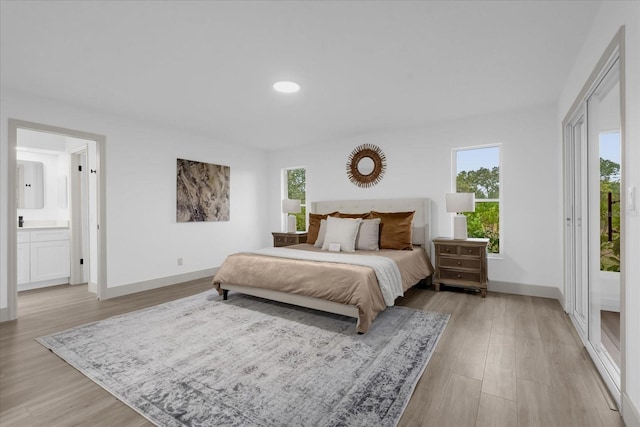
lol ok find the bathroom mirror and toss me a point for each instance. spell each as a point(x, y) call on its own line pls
point(30, 181)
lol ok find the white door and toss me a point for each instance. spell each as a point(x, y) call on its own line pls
point(576, 272)
point(80, 248)
point(604, 163)
point(592, 170)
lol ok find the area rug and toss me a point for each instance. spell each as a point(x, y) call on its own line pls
point(251, 362)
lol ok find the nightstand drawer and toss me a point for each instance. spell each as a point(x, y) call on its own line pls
point(291, 240)
point(473, 264)
point(471, 250)
point(475, 251)
point(287, 239)
point(460, 275)
point(447, 249)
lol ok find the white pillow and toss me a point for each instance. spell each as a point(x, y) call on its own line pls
point(343, 231)
point(368, 235)
point(321, 233)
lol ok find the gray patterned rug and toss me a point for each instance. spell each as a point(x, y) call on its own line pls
point(250, 362)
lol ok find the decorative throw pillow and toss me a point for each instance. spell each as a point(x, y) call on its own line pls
point(395, 231)
point(354, 216)
point(321, 234)
point(314, 225)
point(343, 231)
point(368, 235)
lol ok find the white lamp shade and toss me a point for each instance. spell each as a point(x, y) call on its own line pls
point(461, 202)
point(291, 206)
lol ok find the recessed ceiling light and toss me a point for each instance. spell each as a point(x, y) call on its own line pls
point(286, 87)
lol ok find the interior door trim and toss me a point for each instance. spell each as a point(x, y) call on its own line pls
point(12, 232)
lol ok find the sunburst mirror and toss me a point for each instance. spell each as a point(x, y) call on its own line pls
point(366, 165)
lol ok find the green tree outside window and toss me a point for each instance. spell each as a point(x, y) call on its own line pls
point(609, 183)
point(476, 174)
point(296, 189)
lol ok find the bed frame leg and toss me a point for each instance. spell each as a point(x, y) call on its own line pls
point(225, 294)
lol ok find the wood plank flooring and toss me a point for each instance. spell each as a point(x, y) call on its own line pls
point(505, 360)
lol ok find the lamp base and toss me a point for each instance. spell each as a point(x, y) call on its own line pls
point(291, 224)
point(460, 227)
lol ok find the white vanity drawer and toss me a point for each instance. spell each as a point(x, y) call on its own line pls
point(24, 236)
point(49, 235)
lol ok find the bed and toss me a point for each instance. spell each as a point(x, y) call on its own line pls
point(349, 284)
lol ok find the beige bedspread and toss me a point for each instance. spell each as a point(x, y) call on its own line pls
point(342, 283)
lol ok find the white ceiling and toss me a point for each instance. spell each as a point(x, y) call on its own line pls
point(208, 67)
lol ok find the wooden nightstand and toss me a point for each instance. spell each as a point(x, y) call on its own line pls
point(461, 263)
point(287, 239)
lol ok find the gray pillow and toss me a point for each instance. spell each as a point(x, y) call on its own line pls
point(321, 233)
point(368, 235)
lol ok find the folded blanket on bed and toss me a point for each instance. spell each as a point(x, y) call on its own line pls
point(386, 270)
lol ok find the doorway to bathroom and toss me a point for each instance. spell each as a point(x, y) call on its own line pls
point(59, 238)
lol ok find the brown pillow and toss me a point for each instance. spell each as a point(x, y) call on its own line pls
point(314, 225)
point(395, 229)
point(354, 216)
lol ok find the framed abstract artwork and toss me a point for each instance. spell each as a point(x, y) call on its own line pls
point(202, 192)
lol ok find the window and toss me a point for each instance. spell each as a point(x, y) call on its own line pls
point(610, 201)
point(477, 170)
point(295, 188)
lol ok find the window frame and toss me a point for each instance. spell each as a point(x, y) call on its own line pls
point(284, 194)
point(499, 200)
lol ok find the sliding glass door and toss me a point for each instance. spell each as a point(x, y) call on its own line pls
point(593, 227)
point(604, 128)
point(576, 272)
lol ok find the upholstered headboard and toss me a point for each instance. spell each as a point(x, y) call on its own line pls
point(421, 219)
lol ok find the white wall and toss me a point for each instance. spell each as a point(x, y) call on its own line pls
point(143, 238)
point(41, 140)
point(419, 165)
point(611, 16)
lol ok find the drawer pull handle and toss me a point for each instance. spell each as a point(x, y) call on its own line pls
point(470, 250)
point(459, 263)
point(448, 250)
point(459, 276)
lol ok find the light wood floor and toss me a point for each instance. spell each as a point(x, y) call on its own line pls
point(503, 361)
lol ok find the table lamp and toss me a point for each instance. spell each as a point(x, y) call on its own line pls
point(460, 202)
point(291, 206)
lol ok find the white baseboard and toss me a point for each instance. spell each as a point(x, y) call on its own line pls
point(43, 284)
point(523, 289)
point(4, 314)
point(630, 413)
point(147, 285)
point(92, 287)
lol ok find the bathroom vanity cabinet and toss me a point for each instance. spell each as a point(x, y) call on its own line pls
point(43, 257)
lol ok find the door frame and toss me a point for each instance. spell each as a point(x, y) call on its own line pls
point(614, 51)
point(12, 234)
point(575, 269)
